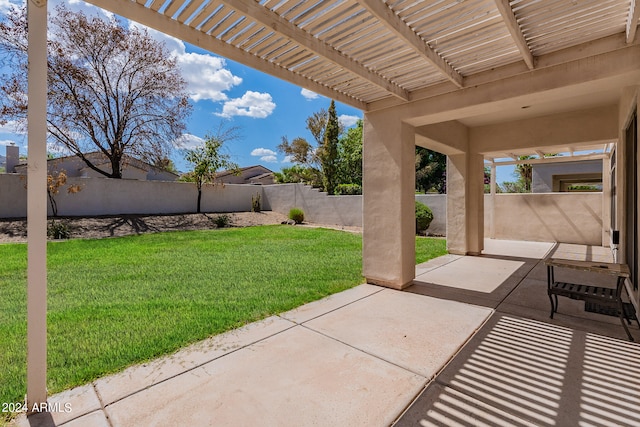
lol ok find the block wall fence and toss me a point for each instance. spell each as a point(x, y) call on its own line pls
point(561, 217)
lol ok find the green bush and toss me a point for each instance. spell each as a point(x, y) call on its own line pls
point(58, 230)
point(297, 215)
point(424, 216)
point(348, 190)
point(222, 221)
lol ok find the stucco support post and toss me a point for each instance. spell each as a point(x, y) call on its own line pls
point(606, 202)
point(492, 229)
point(37, 205)
point(388, 201)
point(465, 203)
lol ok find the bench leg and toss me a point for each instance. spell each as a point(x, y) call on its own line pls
point(623, 317)
point(621, 313)
point(554, 307)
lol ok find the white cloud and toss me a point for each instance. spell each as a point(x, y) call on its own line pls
point(5, 5)
point(348, 121)
point(81, 6)
point(309, 94)
point(252, 104)
point(13, 126)
point(269, 159)
point(263, 152)
point(287, 159)
point(188, 141)
point(206, 75)
point(7, 141)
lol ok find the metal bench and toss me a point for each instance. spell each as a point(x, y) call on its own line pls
point(610, 298)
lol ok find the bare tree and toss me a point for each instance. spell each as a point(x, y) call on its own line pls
point(112, 89)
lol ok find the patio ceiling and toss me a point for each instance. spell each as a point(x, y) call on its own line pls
point(372, 53)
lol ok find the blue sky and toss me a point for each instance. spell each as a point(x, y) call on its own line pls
point(264, 108)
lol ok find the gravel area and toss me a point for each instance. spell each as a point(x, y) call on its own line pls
point(13, 231)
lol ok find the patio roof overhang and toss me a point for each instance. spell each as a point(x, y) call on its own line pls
point(374, 54)
point(409, 65)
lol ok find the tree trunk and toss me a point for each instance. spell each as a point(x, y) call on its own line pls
point(115, 166)
point(199, 198)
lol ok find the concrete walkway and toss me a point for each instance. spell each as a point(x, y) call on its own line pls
point(362, 357)
point(356, 358)
point(522, 368)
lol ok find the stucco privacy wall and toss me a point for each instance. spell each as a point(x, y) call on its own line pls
point(552, 217)
point(340, 210)
point(318, 207)
point(100, 196)
point(563, 217)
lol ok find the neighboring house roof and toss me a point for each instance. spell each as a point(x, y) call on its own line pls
point(75, 166)
point(248, 175)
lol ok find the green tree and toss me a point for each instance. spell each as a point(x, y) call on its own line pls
point(207, 160)
point(329, 150)
point(524, 174)
point(166, 164)
point(350, 156)
point(297, 173)
point(306, 154)
point(431, 171)
point(112, 88)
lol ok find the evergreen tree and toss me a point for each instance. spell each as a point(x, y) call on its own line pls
point(329, 150)
point(431, 171)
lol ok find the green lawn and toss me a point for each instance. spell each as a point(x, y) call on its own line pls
point(116, 302)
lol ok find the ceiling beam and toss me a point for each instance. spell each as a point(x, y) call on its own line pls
point(557, 159)
point(516, 33)
point(137, 12)
point(386, 16)
point(632, 20)
point(282, 26)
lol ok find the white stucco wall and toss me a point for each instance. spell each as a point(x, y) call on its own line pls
point(318, 207)
point(13, 196)
point(542, 174)
point(548, 217)
point(562, 217)
point(101, 196)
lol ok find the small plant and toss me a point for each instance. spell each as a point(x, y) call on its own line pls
point(424, 216)
point(54, 183)
point(58, 230)
point(222, 221)
point(297, 215)
point(256, 206)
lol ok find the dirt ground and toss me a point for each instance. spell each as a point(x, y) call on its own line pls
point(13, 231)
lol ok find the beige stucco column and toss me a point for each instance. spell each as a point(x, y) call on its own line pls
point(37, 205)
point(465, 203)
point(388, 201)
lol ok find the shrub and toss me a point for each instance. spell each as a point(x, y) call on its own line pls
point(255, 203)
point(348, 189)
point(424, 216)
point(297, 215)
point(58, 230)
point(222, 220)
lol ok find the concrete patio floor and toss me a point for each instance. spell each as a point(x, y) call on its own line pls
point(470, 343)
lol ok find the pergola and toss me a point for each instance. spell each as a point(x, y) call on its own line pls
point(470, 78)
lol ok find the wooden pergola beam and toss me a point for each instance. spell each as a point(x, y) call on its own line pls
point(282, 26)
point(632, 20)
point(516, 33)
point(139, 13)
point(390, 20)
